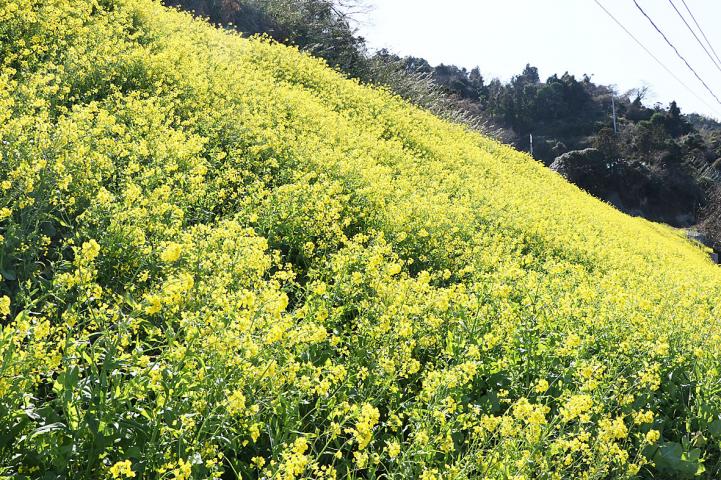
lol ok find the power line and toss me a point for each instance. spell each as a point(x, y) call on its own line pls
point(677, 52)
point(716, 64)
point(675, 77)
point(701, 30)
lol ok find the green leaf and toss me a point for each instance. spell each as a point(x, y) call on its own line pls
point(672, 458)
point(51, 427)
point(9, 275)
point(714, 429)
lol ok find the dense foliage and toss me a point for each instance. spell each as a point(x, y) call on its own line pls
point(711, 220)
point(221, 259)
point(658, 164)
point(323, 28)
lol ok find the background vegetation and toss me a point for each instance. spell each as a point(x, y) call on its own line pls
point(660, 164)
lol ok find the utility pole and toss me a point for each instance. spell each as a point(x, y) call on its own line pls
point(613, 107)
point(530, 138)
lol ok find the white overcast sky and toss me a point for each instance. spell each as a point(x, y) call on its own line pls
point(501, 36)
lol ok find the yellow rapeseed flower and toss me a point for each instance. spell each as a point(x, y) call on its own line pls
point(171, 253)
point(4, 306)
point(393, 448)
point(541, 386)
point(122, 469)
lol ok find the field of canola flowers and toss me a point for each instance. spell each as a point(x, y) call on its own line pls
point(221, 259)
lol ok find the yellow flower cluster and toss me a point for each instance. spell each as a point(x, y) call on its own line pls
point(122, 469)
point(578, 406)
point(171, 253)
point(367, 419)
point(221, 259)
point(4, 306)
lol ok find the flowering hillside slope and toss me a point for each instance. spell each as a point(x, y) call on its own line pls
point(221, 259)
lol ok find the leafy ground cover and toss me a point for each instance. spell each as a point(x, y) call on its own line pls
point(222, 259)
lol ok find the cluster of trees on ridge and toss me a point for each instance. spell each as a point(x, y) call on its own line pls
point(657, 163)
